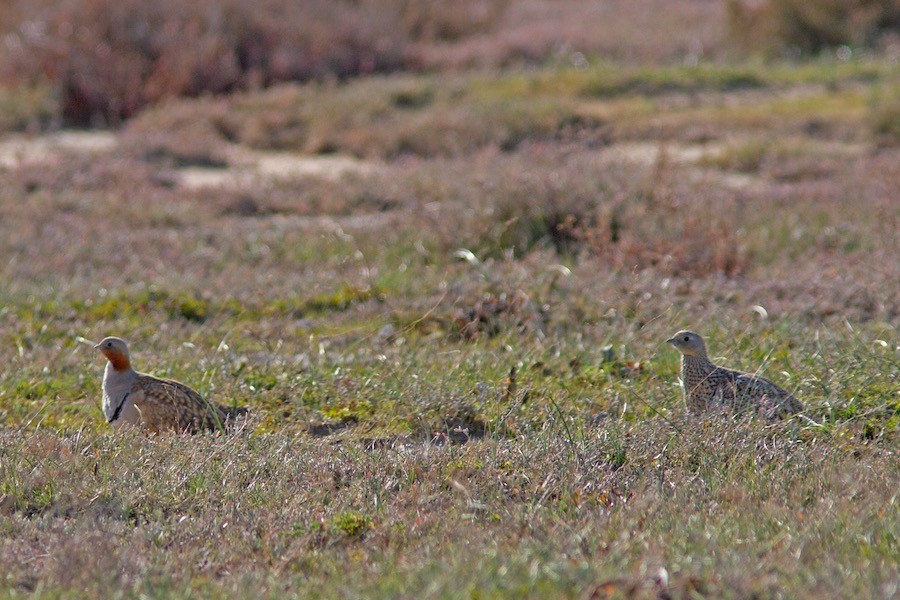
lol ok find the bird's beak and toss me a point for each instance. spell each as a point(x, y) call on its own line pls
point(96, 346)
point(670, 341)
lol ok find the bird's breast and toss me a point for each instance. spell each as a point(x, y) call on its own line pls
point(116, 404)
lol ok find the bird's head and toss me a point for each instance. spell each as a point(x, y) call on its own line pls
point(688, 343)
point(116, 351)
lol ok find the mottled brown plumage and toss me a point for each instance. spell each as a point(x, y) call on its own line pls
point(154, 403)
point(707, 386)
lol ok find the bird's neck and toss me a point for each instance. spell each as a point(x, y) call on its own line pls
point(118, 371)
point(699, 364)
point(119, 362)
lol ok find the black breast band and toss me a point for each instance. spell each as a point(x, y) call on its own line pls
point(115, 416)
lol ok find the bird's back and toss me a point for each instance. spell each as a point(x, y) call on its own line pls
point(166, 404)
point(747, 390)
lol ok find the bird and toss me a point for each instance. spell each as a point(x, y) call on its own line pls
point(707, 386)
point(153, 403)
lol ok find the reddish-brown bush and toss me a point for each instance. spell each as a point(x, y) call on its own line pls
point(109, 58)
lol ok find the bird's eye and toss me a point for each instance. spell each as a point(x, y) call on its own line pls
point(687, 339)
point(109, 344)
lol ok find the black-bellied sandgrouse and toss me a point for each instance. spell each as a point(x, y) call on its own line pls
point(156, 404)
point(707, 386)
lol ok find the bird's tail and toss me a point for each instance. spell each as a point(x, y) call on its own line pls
point(792, 405)
point(233, 412)
point(230, 415)
point(782, 407)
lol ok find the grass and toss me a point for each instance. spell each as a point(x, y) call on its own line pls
point(454, 352)
point(395, 516)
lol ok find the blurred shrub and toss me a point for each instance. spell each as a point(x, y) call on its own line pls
point(631, 217)
point(109, 58)
point(884, 117)
point(441, 20)
point(28, 107)
point(810, 26)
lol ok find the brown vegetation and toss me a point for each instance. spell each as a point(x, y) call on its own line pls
point(100, 62)
point(109, 59)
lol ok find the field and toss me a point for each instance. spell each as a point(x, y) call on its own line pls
point(443, 290)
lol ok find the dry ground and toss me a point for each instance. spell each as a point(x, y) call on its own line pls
point(445, 298)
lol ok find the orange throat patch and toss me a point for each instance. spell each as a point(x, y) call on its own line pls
point(119, 361)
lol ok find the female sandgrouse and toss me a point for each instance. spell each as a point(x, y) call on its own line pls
point(151, 402)
point(707, 386)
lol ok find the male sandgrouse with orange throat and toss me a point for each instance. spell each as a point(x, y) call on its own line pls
point(707, 386)
point(131, 397)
